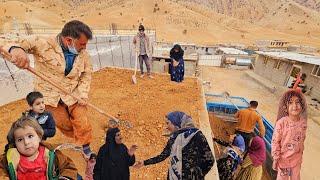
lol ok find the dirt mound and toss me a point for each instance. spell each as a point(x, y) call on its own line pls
point(144, 104)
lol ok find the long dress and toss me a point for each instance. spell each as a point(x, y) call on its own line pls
point(177, 73)
point(248, 171)
point(113, 161)
point(251, 167)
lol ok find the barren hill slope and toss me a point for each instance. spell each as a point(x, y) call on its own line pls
point(197, 21)
point(313, 4)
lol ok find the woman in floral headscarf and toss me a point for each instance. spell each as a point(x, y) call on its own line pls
point(188, 149)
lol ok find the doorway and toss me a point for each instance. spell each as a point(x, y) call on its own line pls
point(293, 74)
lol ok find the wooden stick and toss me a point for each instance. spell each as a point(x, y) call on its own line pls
point(8, 57)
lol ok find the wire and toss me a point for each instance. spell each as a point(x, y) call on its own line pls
point(6, 76)
point(11, 74)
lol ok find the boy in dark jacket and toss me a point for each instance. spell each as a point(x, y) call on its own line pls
point(38, 112)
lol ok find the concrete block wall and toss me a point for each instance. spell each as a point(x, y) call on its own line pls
point(189, 67)
point(280, 76)
point(268, 71)
point(158, 66)
point(113, 50)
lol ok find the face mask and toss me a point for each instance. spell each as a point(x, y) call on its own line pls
point(72, 49)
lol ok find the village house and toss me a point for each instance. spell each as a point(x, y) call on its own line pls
point(282, 68)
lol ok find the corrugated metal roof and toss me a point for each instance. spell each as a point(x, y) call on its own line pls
point(292, 56)
point(232, 51)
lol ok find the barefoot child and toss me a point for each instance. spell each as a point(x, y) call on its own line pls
point(26, 157)
point(289, 135)
point(38, 112)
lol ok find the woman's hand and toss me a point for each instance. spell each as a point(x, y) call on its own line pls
point(175, 63)
point(132, 150)
point(138, 164)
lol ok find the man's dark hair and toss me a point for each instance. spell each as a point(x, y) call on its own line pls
point(141, 27)
point(254, 104)
point(31, 97)
point(75, 28)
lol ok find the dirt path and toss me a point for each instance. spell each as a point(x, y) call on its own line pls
point(238, 84)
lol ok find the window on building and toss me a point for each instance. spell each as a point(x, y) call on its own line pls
point(316, 70)
point(277, 64)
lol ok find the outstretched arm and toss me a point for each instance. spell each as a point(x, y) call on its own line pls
point(164, 154)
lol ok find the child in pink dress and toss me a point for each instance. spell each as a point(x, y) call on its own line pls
point(289, 135)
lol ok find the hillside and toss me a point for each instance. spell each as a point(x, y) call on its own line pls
point(197, 21)
point(313, 4)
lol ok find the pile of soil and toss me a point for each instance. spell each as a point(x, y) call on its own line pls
point(221, 130)
point(144, 104)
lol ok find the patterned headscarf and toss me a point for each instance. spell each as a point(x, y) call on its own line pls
point(180, 119)
point(284, 101)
